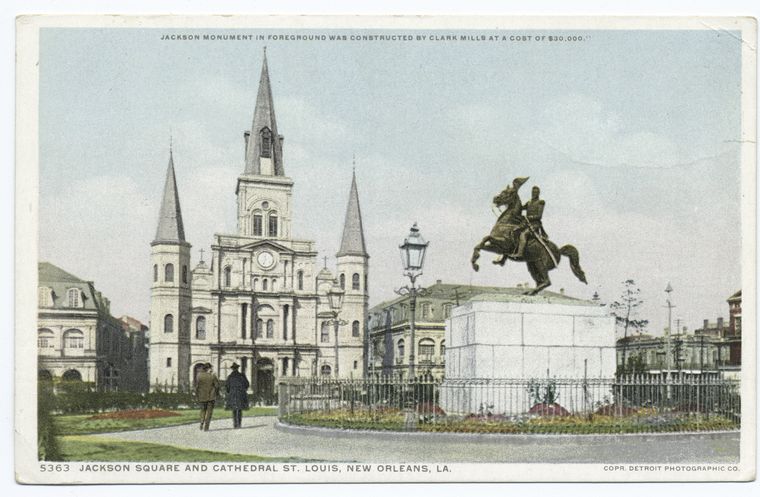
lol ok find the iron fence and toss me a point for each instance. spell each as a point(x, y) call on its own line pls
point(635, 402)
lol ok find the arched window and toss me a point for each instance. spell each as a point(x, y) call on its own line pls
point(258, 225)
point(168, 323)
point(155, 272)
point(426, 347)
point(342, 281)
point(169, 272)
point(227, 276)
point(184, 273)
point(44, 296)
point(74, 297)
point(73, 339)
point(45, 339)
point(443, 348)
point(255, 284)
point(259, 327)
point(72, 375)
point(325, 370)
point(200, 328)
point(366, 283)
point(401, 348)
point(266, 142)
point(272, 224)
point(324, 335)
point(270, 328)
point(355, 329)
point(265, 285)
point(274, 284)
point(355, 281)
point(300, 280)
point(168, 362)
point(285, 364)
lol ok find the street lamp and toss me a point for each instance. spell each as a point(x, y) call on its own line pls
point(412, 258)
point(335, 296)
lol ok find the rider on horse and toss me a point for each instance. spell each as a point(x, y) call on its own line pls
point(534, 211)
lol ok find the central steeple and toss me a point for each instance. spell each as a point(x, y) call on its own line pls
point(170, 226)
point(263, 145)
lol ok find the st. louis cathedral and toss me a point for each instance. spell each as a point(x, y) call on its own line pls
point(262, 299)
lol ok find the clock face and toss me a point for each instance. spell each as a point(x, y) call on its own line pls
point(265, 259)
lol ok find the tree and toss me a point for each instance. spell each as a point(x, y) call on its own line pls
point(625, 310)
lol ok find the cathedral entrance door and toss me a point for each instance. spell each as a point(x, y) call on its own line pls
point(265, 382)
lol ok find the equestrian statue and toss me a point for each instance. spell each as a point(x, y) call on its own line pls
point(522, 238)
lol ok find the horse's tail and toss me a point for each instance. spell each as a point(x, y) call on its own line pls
point(575, 264)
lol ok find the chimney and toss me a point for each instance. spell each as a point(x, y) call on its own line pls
point(561, 291)
point(705, 325)
point(438, 282)
point(720, 324)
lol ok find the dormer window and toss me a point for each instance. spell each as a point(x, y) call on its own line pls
point(266, 142)
point(74, 297)
point(45, 296)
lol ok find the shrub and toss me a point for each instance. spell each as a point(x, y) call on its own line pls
point(47, 444)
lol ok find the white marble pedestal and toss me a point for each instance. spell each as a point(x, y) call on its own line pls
point(497, 344)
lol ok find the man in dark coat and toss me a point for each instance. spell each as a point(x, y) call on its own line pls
point(206, 390)
point(237, 395)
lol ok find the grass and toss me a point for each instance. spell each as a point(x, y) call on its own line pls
point(85, 448)
point(81, 424)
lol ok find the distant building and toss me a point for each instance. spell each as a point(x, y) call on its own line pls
point(390, 332)
point(716, 346)
point(79, 340)
point(134, 360)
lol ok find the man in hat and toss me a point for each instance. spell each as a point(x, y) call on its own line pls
point(236, 400)
point(534, 212)
point(206, 390)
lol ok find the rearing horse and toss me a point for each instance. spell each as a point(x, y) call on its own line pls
point(503, 240)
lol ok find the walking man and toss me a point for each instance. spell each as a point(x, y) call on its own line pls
point(236, 400)
point(206, 390)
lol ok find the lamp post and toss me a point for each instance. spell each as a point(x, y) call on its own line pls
point(668, 351)
point(412, 258)
point(335, 296)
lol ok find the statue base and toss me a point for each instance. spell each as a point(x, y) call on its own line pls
point(507, 353)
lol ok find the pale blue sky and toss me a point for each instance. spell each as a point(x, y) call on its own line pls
point(630, 134)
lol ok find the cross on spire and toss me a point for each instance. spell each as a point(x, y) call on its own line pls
point(325, 262)
point(201, 255)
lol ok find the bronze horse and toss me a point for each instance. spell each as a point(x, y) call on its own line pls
point(503, 240)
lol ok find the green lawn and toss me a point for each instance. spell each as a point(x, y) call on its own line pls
point(81, 424)
point(84, 448)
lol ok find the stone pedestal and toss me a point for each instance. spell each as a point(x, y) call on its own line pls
point(498, 346)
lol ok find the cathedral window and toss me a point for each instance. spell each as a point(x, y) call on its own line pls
point(259, 327)
point(366, 283)
point(342, 281)
point(274, 284)
point(355, 281)
point(169, 272)
point(227, 276)
point(184, 274)
point(300, 280)
point(168, 362)
point(258, 228)
point(401, 348)
point(200, 328)
point(270, 328)
point(324, 335)
point(272, 226)
point(255, 284)
point(266, 142)
point(265, 285)
point(168, 323)
point(155, 272)
point(74, 297)
point(285, 364)
point(355, 329)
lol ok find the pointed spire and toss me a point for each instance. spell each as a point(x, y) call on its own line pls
point(353, 231)
point(170, 227)
point(269, 146)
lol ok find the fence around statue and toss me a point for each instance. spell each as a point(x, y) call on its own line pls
point(649, 398)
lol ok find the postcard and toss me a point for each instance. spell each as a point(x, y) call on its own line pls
point(385, 249)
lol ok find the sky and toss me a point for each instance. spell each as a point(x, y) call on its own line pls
point(631, 135)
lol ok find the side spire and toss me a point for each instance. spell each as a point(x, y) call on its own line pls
point(170, 227)
point(352, 242)
point(264, 154)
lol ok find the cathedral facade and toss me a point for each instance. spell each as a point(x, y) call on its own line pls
point(262, 300)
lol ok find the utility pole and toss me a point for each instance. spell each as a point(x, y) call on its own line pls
point(668, 351)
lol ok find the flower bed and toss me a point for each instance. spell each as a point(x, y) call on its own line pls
point(135, 414)
point(636, 421)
